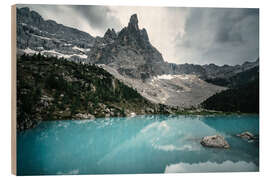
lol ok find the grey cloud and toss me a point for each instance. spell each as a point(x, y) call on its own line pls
point(227, 30)
point(98, 17)
point(220, 35)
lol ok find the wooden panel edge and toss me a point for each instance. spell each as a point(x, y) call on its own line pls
point(13, 92)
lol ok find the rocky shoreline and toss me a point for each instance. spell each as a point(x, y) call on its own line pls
point(110, 112)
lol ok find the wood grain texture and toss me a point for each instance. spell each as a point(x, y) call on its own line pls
point(13, 91)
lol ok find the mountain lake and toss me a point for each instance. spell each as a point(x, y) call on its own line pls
point(140, 144)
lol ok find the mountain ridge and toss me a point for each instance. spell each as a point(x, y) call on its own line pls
point(88, 49)
point(128, 55)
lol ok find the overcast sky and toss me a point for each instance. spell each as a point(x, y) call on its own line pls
point(182, 35)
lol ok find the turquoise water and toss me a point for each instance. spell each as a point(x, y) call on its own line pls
point(141, 144)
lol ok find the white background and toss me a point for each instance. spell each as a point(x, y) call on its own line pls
point(5, 86)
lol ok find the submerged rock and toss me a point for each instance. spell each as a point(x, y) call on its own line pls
point(215, 141)
point(246, 135)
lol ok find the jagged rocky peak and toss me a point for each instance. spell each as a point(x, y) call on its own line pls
point(133, 23)
point(110, 34)
point(131, 53)
point(132, 33)
point(134, 27)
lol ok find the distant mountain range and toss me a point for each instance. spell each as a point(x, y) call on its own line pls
point(129, 56)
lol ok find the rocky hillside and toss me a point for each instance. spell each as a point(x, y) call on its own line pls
point(49, 88)
point(36, 35)
point(184, 90)
point(238, 79)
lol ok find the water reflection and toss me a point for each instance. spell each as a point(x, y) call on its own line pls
point(141, 144)
point(226, 166)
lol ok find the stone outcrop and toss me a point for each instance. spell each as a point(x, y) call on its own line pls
point(246, 135)
point(133, 23)
point(216, 141)
point(110, 35)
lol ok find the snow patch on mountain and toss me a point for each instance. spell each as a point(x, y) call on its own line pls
point(80, 49)
point(54, 53)
point(166, 76)
point(29, 51)
point(41, 37)
point(170, 76)
point(83, 56)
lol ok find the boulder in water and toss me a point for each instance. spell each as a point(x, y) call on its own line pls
point(246, 135)
point(215, 141)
